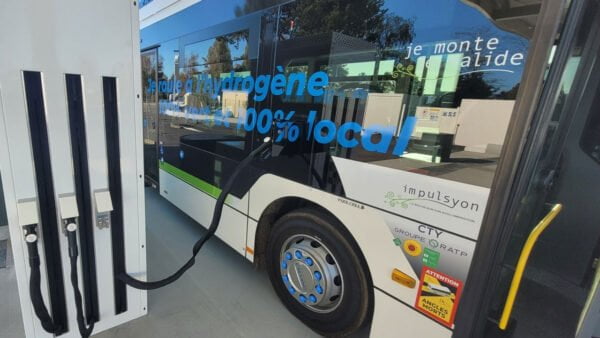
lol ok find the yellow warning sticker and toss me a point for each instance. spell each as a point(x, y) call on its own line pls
point(438, 296)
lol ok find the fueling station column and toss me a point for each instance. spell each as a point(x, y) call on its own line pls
point(71, 161)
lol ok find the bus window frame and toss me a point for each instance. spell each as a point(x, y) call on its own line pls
point(250, 23)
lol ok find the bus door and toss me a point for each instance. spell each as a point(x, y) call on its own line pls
point(557, 295)
point(150, 114)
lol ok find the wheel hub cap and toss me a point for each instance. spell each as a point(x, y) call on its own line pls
point(311, 273)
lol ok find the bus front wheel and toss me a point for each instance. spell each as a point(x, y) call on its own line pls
point(318, 272)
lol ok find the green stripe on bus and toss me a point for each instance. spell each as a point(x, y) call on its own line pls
point(191, 179)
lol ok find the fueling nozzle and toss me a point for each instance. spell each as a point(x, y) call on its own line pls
point(266, 152)
point(71, 232)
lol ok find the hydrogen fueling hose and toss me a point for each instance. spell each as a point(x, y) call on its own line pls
point(84, 329)
point(263, 150)
point(35, 292)
point(31, 238)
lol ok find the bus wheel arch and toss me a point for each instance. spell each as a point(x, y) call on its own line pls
point(275, 210)
point(272, 225)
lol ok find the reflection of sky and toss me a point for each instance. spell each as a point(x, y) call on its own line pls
point(435, 20)
point(167, 52)
point(200, 49)
point(438, 19)
point(204, 14)
point(191, 19)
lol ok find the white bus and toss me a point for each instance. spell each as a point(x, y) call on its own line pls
point(392, 122)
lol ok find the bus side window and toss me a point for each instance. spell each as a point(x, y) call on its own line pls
point(452, 82)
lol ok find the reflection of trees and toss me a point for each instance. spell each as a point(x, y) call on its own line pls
point(219, 58)
point(473, 86)
point(148, 73)
point(367, 20)
point(162, 76)
point(189, 70)
point(510, 94)
point(245, 65)
point(364, 19)
point(395, 31)
point(251, 6)
point(160, 67)
point(478, 86)
point(512, 41)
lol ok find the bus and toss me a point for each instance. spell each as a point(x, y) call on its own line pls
point(415, 146)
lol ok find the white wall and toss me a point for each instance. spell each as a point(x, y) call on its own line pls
point(94, 39)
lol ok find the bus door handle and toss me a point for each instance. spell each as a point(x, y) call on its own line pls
point(522, 263)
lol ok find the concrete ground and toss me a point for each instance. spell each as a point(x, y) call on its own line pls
point(221, 296)
point(11, 324)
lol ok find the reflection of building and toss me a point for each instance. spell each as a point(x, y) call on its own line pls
point(384, 109)
point(235, 102)
point(439, 73)
point(434, 133)
point(477, 126)
point(435, 121)
point(482, 125)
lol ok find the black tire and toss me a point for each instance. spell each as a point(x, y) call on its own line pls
point(355, 305)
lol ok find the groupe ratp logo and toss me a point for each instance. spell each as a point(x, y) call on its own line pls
point(324, 131)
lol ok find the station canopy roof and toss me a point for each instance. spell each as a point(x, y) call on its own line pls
point(517, 16)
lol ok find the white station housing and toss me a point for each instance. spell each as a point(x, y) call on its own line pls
point(98, 43)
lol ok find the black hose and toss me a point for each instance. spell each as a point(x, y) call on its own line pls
point(35, 292)
point(214, 224)
point(84, 330)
